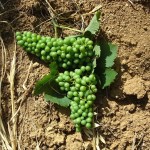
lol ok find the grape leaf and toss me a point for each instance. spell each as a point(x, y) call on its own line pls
point(42, 85)
point(108, 54)
point(94, 24)
point(97, 51)
point(94, 64)
point(107, 77)
point(53, 96)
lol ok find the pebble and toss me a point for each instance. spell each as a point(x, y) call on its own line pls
point(131, 108)
point(36, 64)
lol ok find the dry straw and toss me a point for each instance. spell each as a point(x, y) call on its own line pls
point(9, 141)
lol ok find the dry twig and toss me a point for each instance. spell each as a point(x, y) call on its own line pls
point(141, 139)
point(133, 142)
point(52, 14)
point(12, 131)
point(1, 5)
point(24, 83)
point(11, 77)
point(3, 135)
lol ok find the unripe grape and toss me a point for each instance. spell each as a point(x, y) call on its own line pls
point(84, 114)
point(62, 88)
point(83, 122)
point(83, 68)
point(88, 125)
point(80, 111)
point(19, 37)
point(61, 83)
point(83, 82)
point(76, 99)
point(90, 114)
point(18, 33)
point(89, 102)
point(77, 85)
point(75, 93)
point(78, 120)
point(76, 115)
point(73, 89)
point(82, 107)
point(82, 88)
point(72, 116)
point(82, 48)
point(81, 94)
point(69, 94)
point(88, 68)
point(21, 42)
point(66, 85)
point(82, 102)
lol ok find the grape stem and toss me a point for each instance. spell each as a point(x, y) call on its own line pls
point(56, 91)
point(52, 13)
point(55, 27)
point(64, 27)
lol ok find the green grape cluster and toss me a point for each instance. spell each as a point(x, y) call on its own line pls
point(68, 52)
point(80, 86)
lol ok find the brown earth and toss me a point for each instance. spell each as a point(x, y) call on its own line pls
point(123, 110)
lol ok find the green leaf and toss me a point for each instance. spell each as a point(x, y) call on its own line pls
point(97, 51)
point(94, 24)
point(107, 77)
point(108, 54)
point(54, 68)
point(94, 64)
point(53, 96)
point(42, 85)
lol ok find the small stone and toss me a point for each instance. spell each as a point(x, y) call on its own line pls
point(123, 126)
point(145, 28)
point(131, 108)
point(133, 42)
point(113, 106)
point(44, 119)
point(33, 134)
point(114, 145)
point(44, 147)
point(59, 139)
point(88, 145)
point(35, 65)
point(124, 62)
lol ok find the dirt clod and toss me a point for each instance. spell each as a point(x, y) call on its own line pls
point(74, 142)
point(135, 86)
